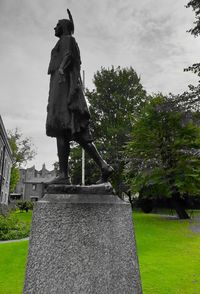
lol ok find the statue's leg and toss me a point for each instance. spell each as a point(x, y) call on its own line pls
point(106, 169)
point(63, 147)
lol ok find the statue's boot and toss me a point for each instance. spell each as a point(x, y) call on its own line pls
point(106, 169)
point(60, 179)
point(63, 177)
point(106, 172)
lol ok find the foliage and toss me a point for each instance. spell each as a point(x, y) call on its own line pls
point(192, 96)
point(24, 205)
point(14, 178)
point(75, 165)
point(75, 162)
point(145, 204)
point(117, 97)
point(163, 151)
point(189, 100)
point(195, 5)
point(12, 228)
point(22, 151)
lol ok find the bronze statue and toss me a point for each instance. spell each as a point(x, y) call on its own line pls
point(68, 116)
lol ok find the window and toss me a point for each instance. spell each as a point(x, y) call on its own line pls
point(1, 159)
point(5, 166)
point(1, 197)
point(34, 187)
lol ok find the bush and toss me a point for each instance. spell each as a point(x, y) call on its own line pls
point(146, 205)
point(12, 228)
point(25, 205)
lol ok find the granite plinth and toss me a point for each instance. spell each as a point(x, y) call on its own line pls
point(82, 244)
point(105, 188)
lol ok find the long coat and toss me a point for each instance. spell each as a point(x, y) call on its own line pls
point(67, 111)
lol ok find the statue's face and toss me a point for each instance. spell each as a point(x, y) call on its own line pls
point(58, 30)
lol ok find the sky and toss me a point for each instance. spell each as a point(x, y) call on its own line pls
point(149, 35)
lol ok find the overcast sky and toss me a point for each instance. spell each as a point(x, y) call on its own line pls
point(149, 35)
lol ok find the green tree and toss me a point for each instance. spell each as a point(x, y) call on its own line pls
point(195, 5)
point(14, 178)
point(75, 164)
point(117, 97)
point(22, 152)
point(163, 153)
point(190, 99)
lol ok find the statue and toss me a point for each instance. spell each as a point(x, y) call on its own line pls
point(68, 116)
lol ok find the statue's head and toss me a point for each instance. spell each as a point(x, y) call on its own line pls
point(64, 26)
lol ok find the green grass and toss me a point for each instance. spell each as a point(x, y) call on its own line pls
point(24, 216)
point(12, 267)
point(169, 257)
point(13, 260)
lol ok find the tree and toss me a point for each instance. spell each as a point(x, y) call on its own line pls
point(75, 165)
point(22, 151)
point(117, 97)
point(191, 98)
point(14, 178)
point(163, 153)
point(195, 5)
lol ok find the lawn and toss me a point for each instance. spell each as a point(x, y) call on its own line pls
point(168, 250)
point(12, 265)
point(24, 216)
point(169, 254)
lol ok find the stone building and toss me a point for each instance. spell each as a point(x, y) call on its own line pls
point(31, 183)
point(5, 164)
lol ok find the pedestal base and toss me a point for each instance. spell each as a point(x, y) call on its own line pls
point(82, 244)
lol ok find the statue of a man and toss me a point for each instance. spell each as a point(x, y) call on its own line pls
point(68, 117)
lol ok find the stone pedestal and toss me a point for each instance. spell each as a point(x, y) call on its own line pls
point(82, 244)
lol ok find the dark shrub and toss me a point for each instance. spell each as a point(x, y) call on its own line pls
point(146, 205)
point(25, 205)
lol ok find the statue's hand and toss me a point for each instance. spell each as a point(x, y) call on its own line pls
point(61, 71)
point(62, 75)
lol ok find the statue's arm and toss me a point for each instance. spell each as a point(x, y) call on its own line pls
point(64, 64)
point(66, 49)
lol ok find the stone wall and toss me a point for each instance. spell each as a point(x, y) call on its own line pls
point(5, 164)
